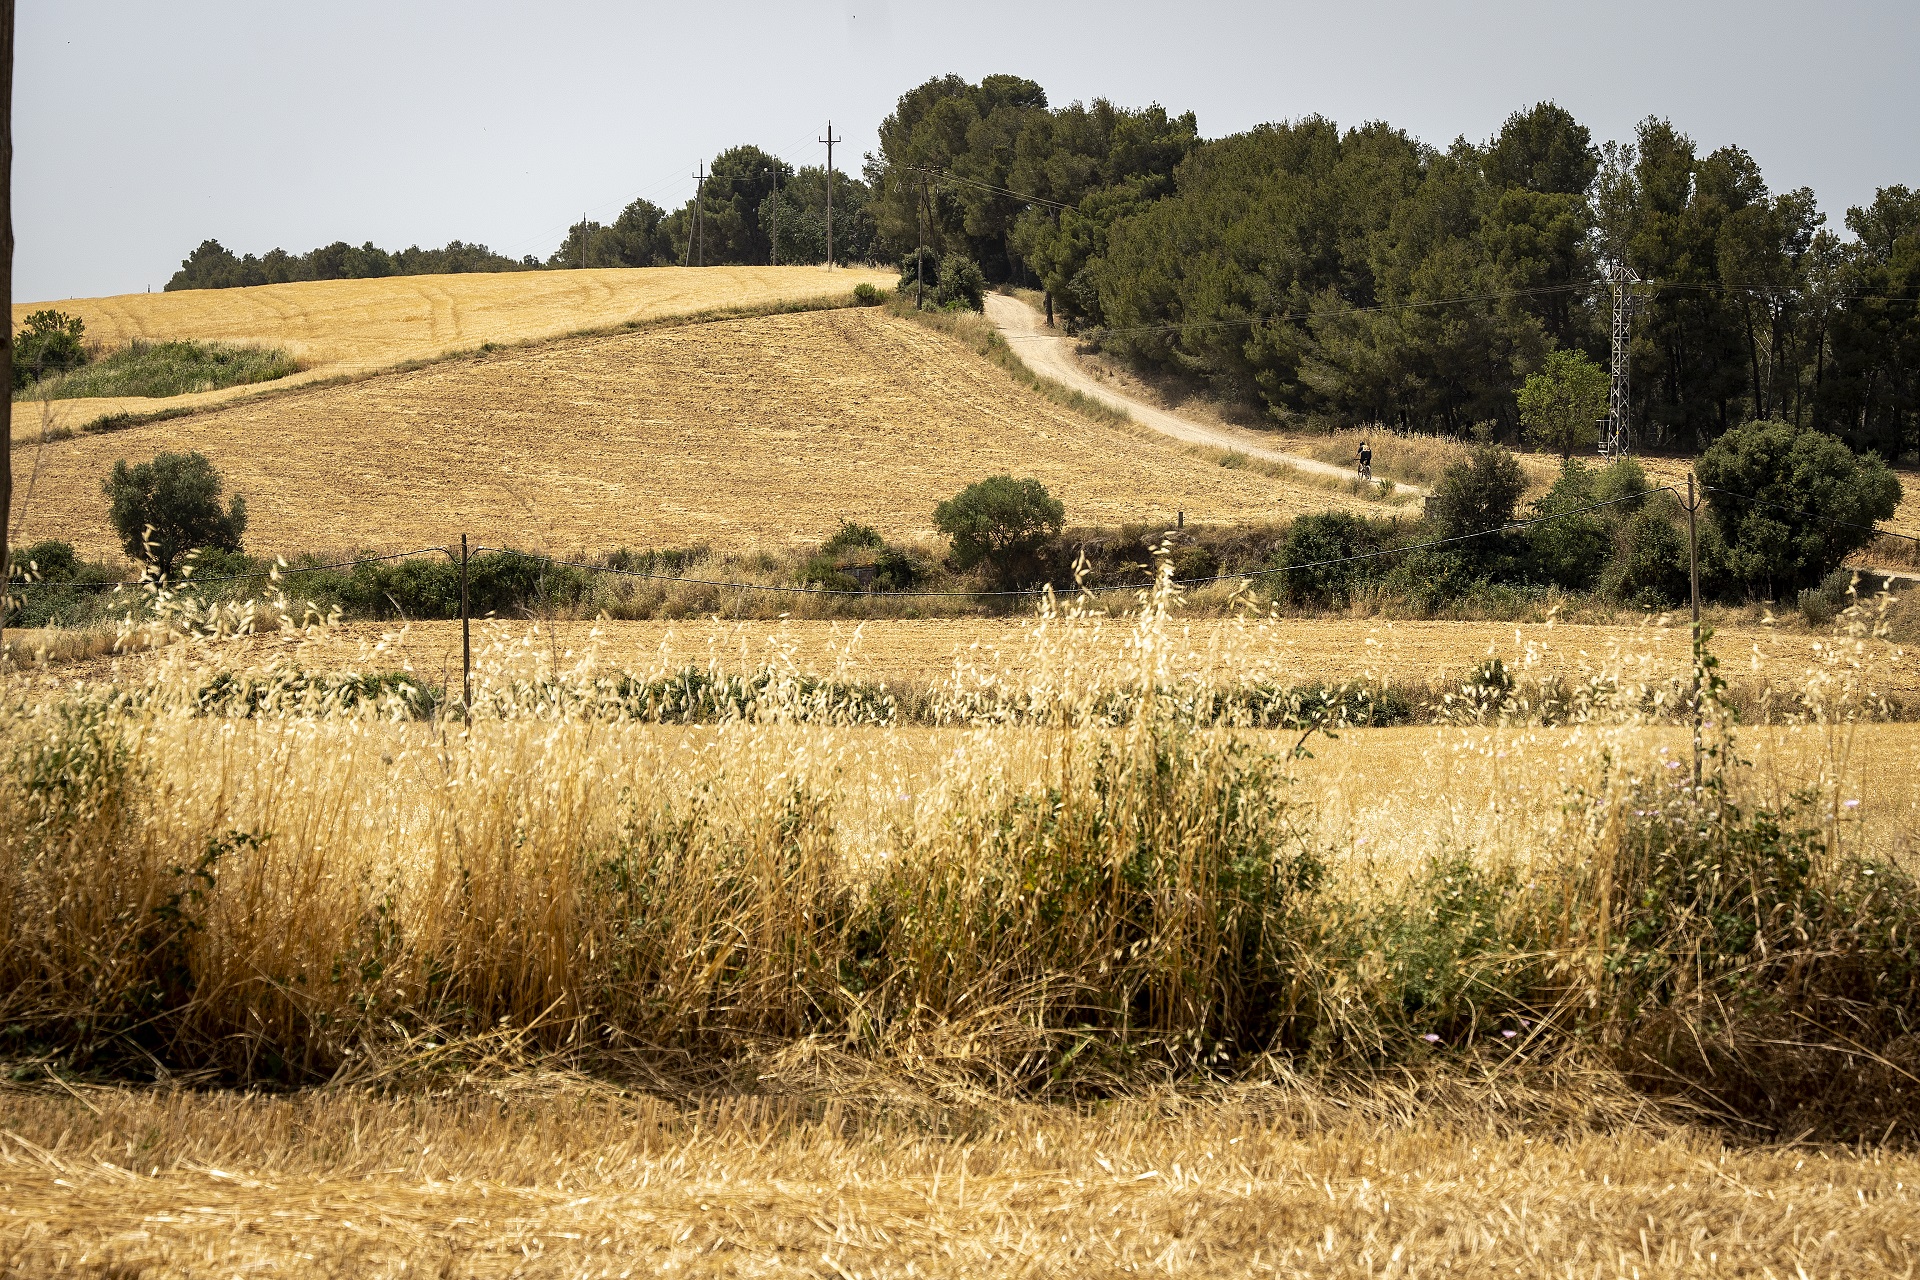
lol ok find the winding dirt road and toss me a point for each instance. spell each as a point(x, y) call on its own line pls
point(1050, 355)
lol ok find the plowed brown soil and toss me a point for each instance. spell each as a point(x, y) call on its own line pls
point(740, 433)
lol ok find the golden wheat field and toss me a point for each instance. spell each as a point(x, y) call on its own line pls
point(347, 327)
point(737, 433)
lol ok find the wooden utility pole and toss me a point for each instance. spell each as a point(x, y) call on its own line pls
point(920, 259)
point(1693, 581)
point(699, 201)
point(583, 242)
point(830, 140)
point(466, 640)
point(774, 260)
point(6, 298)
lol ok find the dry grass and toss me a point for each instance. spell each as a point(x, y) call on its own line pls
point(559, 1178)
point(1430, 656)
point(741, 433)
point(836, 963)
point(1420, 460)
point(345, 327)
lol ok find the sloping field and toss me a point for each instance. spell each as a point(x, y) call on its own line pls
point(337, 327)
point(737, 433)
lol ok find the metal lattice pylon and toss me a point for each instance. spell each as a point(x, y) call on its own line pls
point(1617, 439)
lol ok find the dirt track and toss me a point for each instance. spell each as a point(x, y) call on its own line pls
point(1050, 355)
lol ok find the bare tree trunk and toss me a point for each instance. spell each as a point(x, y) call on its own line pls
point(6, 298)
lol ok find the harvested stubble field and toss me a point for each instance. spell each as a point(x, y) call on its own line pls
point(482, 940)
point(346, 327)
point(1431, 657)
point(739, 434)
point(558, 1177)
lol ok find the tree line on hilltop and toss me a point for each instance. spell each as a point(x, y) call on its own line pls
point(1324, 274)
point(749, 197)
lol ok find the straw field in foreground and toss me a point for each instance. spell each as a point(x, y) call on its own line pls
point(1119, 962)
point(554, 1176)
point(346, 327)
point(738, 434)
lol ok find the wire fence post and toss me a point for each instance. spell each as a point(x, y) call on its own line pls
point(466, 641)
point(1693, 582)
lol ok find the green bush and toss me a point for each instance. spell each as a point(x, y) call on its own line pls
point(1649, 564)
point(48, 345)
point(856, 557)
point(164, 508)
point(961, 284)
point(866, 295)
point(1791, 503)
point(169, 369)
point(52, 586)
point(1478, 495)
point(1315, 539)
point(1822, 604)
point(1570, 549)
point(951, 282)
point(1002, 524)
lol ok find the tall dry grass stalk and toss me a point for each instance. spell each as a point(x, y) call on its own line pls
point(1108, 874)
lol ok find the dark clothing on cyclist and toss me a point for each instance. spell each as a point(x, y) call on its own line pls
point(1366, 455)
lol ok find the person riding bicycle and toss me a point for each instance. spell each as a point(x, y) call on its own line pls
point(1366, 460)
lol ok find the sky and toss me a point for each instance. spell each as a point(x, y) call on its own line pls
point(142, 129)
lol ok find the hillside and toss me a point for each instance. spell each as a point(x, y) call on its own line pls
point(768, 430)
point(346, 327)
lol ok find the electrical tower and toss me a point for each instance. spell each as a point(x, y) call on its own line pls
point(1617, 436)
point(830, 140)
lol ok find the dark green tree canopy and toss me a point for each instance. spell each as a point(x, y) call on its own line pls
point(164, 508)
point(213, 266)
point(1791, 503)
point(1543, 149)
point(637, 238)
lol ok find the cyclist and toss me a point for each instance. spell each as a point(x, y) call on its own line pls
point(1366, 461)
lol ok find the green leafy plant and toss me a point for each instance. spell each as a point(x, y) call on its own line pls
point(164, 508)
point(48, 345)
point(1000, 523)
point(1560, 406)
point(1791, 503)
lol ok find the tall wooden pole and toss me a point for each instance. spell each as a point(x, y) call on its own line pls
point(829, 140)
point(6, 306)
point(466, 640)
point(1693, 581)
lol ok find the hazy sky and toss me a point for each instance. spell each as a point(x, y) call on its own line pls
point(141, 129)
